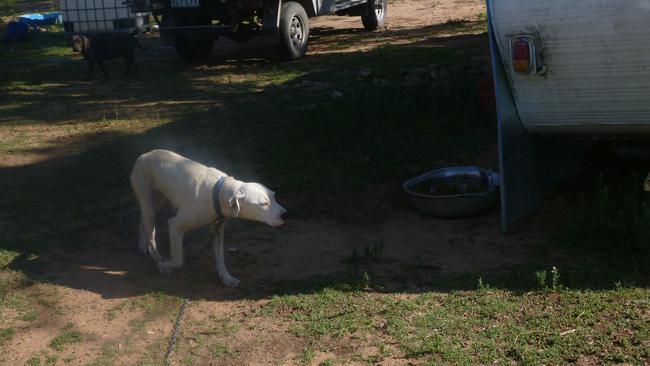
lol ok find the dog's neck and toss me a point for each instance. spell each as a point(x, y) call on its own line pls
point(216, 199)
point(222, 199)
point(85, 45)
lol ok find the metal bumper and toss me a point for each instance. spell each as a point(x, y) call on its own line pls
point(204, 30)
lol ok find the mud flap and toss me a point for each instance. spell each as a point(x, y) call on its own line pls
point(529, 164)
point(271, 21)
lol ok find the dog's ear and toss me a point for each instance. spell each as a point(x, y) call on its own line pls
point(234, 202)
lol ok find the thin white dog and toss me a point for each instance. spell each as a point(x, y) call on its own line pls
point(202, 196)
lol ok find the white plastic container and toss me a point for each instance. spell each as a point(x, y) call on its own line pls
point(88, 16)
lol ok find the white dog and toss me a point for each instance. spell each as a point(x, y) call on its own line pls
point(202, 196)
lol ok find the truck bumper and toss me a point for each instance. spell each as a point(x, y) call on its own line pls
point(168, 34)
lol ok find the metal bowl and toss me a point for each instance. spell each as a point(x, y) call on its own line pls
point(453, 192)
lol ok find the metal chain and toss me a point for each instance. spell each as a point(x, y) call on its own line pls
point(174, 337)
point(181, 313)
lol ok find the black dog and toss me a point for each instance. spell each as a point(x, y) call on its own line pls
point(98, 47)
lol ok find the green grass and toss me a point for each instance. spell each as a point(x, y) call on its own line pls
point(154, 353)
point(153, 306)
point(50, 360)
point(69, 335)
point(332, 312)
point(33, 361)
point(6, 334)
point(306, 356)
point(329, 362)
point(41, 47)
point(107, 354)
point(13, 296)
point(219, 350)
point(481, 327)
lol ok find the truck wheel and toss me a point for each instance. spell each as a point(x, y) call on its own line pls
point(193, 50)
point(376, 15)
point(294, 31)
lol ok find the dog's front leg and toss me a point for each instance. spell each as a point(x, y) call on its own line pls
point(217, 245)
point(91, 65)
point(177, 230)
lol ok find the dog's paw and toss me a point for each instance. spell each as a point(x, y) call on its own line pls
point(153, 253)
point(230, 281)
point(165, 267)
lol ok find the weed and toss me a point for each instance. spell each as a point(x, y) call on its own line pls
point(50, 360)
point(371, 254)
point(374, 252)
point(108, 352)
point(365, 280)
point(541, 279)
point(29, 316)
point(555, 279)
point(219, 350)
point(33, 361)
point(154, 305)
point(69, 335)
point(307, 356)
point(6, 256)
point(483, 286)
point(6, 334)
point(111, 314)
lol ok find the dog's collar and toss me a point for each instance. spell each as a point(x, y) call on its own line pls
point(215, 198)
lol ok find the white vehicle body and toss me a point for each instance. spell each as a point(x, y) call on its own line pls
point(596, 59)
point(565, 68)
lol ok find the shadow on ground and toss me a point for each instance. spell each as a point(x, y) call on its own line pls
point(331, 138)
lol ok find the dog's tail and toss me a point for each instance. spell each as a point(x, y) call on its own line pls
point(137, 43)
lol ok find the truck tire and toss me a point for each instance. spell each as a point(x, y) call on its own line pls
point(294, 31)
point(376, 15)
point(193, 50)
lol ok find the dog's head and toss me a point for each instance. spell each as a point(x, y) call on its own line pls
point(253, 201)
point(79, 43)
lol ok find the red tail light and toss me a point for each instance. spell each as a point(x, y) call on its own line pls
point(523, 55)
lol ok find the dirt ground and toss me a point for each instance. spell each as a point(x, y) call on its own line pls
point(94, 289)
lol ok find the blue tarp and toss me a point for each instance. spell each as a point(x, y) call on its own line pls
point(37, 19)
point(16, 32)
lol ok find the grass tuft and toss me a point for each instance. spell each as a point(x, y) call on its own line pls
point(69, 335)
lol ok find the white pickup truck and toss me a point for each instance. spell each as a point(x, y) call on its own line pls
point(567, 73)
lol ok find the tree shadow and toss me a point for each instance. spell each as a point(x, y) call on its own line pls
point(336, 162)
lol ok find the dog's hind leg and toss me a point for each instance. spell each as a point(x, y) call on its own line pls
point(177, 227)
point(130, 63)
point(91, 65)
point(148, 225)
point(220, 260)
point(142, 237)
point(101, 67)
point(143, 194)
